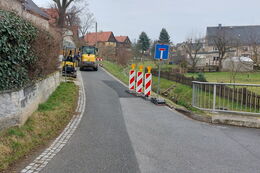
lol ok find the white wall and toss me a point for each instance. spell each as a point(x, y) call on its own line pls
point(17, 106)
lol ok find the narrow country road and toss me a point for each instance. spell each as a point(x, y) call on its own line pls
point(123, 134)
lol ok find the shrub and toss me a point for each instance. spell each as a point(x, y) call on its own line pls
point(26, 53)
point(46, 47)
point(201, 77)
point(15, 50)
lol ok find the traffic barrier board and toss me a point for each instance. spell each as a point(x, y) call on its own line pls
point(132, 80)
point(139, 83)
point(148, 84)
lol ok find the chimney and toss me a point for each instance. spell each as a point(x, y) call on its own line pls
point(219, 26)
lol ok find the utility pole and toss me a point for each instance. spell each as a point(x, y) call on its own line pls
point(96, 34)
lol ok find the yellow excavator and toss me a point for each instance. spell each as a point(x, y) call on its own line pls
point(69, 66)
point(88, 58)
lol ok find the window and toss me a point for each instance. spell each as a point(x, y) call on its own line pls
point(215, 48)
point(88, 50)
point(215, 58)
point(245, 48)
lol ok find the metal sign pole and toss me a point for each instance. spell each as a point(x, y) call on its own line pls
point(159, 73)
point(161, 53)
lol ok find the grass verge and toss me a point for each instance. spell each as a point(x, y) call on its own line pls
point(44, 125)
point(118, 71)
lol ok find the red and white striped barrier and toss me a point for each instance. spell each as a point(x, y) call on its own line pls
point(148, 84)
point(139, 83)
point(132, 80)
point(99, 59)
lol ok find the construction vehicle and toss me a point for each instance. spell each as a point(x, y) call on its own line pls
point(88, 58)
point(69, 66)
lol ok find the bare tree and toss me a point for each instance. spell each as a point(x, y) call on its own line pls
point(107, 52)
point(254, 45)
point(223, 44)
point(123, 55)
point(192, 48)
point(236, 65)
point(87, 22)
point(72, 16)
point(62, 6)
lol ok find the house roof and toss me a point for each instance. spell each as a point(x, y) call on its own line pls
point(243, 34)
point(53, 14)
point(90, 38)
point(121, 39)
point(31, 6)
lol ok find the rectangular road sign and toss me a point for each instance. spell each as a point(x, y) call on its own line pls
point(161, 51)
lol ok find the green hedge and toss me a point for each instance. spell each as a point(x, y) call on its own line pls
point(16, 54)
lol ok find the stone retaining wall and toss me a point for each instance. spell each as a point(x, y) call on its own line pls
point(17, 106)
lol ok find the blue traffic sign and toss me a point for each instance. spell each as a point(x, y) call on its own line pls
point(161, 51)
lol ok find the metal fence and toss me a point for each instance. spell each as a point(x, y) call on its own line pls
point(226, 97)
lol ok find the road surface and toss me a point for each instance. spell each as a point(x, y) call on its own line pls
point(120, 133)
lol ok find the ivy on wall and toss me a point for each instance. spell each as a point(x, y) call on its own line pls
point(16, 54)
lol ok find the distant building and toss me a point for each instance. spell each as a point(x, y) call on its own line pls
point(102, 39)
point(53, 15)
point(123, 41)
point(109, 46)
point(244, 41)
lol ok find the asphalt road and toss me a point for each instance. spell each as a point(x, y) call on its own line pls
point(120, 134)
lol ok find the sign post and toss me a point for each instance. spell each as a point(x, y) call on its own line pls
point(161, 53)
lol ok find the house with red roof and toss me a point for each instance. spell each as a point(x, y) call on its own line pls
point(102, 39)
point(53, 15)
point(123, 40)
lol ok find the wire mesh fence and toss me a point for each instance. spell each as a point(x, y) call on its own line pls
point(226, 97)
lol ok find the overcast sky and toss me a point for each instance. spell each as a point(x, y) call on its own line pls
point(181, 18)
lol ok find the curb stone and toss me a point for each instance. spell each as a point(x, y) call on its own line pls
point(191, 115)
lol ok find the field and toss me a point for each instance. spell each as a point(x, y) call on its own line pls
point(225, 77)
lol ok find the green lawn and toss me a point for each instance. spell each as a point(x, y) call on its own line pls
point(247, 78)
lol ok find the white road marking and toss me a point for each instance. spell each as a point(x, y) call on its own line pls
point(41, 161)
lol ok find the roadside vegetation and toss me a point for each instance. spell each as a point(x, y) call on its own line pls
point(27, 53)
point(44, 125)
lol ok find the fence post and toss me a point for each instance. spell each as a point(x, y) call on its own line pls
point(193, 94)
point(214, 97)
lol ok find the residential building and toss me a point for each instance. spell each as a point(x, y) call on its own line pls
point(53, 15)
point(242, 41)
point(101, 38)
point(31, 7)
point(123, 41)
